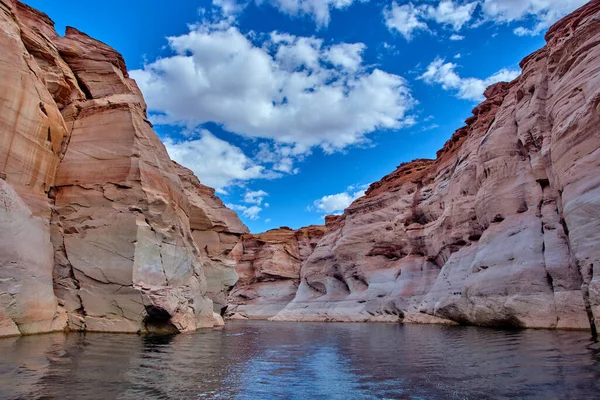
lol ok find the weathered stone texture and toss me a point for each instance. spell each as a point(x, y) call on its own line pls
point(502, 229)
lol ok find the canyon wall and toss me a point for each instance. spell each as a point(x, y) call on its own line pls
point(101, 231)
point(501, 229)
point(268, 265)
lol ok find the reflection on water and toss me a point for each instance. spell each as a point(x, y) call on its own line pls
point(276, 360)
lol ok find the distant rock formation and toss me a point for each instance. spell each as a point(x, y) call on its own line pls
point(502, 229)
point(268, 265)
point(100, 231)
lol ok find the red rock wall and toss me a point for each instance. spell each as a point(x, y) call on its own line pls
point(268, 265)
point(99, 227)
point(502, 229)
point(216, 230)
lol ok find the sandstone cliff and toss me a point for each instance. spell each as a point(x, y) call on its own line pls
point(216, 230)
point(502, 229)
point(100, 230)
point(268, 265)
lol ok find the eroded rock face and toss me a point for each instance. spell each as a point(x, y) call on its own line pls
point(31, 135)
point(502, 229)
point(217, 230)
point(100, 230)
point(268, 265)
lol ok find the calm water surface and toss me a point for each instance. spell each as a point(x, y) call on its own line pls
point(276, 360)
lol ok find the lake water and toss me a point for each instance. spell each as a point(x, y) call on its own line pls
point(278, 360)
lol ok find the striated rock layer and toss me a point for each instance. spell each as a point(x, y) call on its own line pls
point(502, 229)
point(217, 230)
point(100, 230)
point(268, 265)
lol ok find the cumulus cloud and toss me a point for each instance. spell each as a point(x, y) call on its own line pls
point(229, 7)
point(543, 12)
point(250, 212)
point(216, 162)
point(336, 203)
point(255, 197)
point(444, 74)
point(346, 55)
point(318, 10)
point(409, 18)
point(293, 90)
point(254, 200)
point(404, 19)
point(451, 13)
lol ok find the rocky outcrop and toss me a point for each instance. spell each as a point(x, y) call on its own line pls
point(100, 230)
point(216, 230)
point(268, 265)
point(501, 229)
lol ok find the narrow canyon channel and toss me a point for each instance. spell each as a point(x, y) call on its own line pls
point(287, 360)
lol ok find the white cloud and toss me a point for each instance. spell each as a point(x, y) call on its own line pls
point(467, 88)
point(336, 203)
point(408, 18)
point(216, 162)
point(318, 10)
point(405, 19)
point(250, 212)
point(543, 12)
point(294, 90)
point(450, 13)
point(411, 17)
point(229, 7)
point(282, 157)
point(457, 56)
point(255, 197)
point(345, 55)
point(522, 31)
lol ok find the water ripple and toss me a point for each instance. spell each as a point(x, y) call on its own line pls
point(267, 360)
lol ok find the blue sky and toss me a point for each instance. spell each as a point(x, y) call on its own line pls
point(290, 108)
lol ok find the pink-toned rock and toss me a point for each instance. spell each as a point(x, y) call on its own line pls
point(31, 135)
point(269, 270)
point(97, 227)
point(502, 229)
point(27, 301)
point(216, 230)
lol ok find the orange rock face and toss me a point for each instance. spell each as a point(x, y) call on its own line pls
point(100, 230)
point(502, 229)
point(268, 265)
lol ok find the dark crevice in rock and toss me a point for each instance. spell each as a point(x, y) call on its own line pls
point(158, 321)
point(498, 218)
point(340, 278)
point(587, 274)
point(550, 281)
point(43, 109)
point(318, 287)
point(84, 88)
